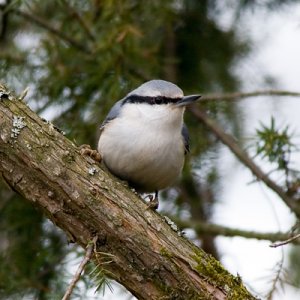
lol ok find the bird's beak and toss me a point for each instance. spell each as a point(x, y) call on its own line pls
point(187, 100)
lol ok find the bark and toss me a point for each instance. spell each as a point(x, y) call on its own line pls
point(148, 257)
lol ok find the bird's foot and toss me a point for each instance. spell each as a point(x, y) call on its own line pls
point(153, 201)
point(87, 150)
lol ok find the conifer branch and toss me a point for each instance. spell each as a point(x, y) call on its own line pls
point(43, 24)
point(244, 158)
point(80, 20)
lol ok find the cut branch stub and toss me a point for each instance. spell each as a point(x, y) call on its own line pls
point(148, 257)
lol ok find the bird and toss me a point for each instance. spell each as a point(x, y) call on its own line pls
point(143, 140)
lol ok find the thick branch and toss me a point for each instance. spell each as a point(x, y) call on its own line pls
point(148, 257)
point(229, 141)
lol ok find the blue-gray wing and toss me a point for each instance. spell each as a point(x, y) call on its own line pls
point(113, 113)
point(186, 138)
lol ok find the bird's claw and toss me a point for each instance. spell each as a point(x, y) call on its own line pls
point(153, 201)
point(87, 150)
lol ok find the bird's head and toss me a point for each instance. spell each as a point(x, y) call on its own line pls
point(160, 92)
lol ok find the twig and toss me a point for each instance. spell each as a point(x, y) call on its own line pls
point(86, 259)
point(244, 158)
point(216, 230)
point(277, 278)
point(38, 21)
point(288, 241)
point(24, 94)
point(237, 96)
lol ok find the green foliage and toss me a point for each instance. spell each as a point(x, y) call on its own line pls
point(275, 145)
point(99, 274)
point(32, 251)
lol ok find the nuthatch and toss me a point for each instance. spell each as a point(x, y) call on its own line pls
point(144, 139)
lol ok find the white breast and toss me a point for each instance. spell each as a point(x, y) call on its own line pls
point(144, 145)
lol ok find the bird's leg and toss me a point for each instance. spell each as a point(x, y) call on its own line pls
point(153, 201)
point(87, 150)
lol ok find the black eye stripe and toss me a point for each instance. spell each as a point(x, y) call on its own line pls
point(151, 100)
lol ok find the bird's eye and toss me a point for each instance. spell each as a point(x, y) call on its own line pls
point(158, 100)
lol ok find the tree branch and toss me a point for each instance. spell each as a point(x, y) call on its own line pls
point(238, 96)
point(43, 24)
point(148, 257)
point(217, 230)
point(244, 158)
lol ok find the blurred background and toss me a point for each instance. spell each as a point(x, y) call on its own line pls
point(79, 57)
